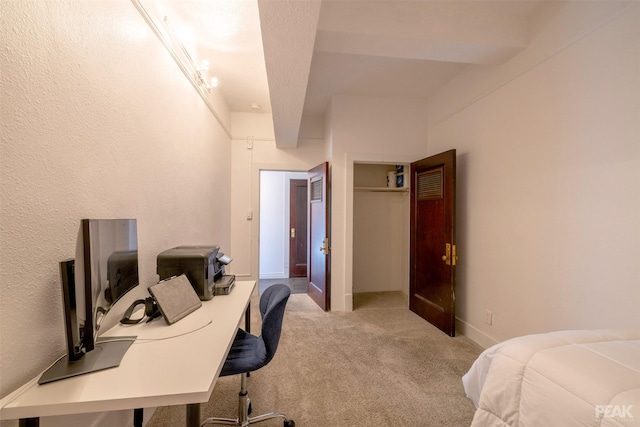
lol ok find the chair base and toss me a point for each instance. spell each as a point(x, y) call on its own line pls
point(251, 420)
point(244, 409)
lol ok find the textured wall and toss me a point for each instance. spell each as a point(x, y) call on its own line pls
point(97, 122)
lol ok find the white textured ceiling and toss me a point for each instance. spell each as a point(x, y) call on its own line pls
point(291, 56)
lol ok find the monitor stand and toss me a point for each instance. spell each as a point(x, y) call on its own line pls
point(105, 355)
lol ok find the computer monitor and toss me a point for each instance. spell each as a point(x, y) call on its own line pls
point(105, 268)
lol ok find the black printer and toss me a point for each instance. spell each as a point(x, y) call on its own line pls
point(203, 266)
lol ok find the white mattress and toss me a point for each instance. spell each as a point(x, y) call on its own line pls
point(567, 378)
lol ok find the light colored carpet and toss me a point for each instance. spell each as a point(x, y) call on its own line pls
point(379, 365)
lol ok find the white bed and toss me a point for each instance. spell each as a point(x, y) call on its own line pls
point(566, 379)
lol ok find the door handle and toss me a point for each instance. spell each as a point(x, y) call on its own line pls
point(447, 254)
point(325, 246)
point(450, 257)
point(293, 233)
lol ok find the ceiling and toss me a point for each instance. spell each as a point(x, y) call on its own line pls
point(291, 56)
point(227, 34)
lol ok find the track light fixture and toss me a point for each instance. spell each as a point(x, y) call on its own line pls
point(198, 72)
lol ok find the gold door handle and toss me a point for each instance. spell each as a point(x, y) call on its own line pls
point(450, 257)
point(293, 233)
point(325, 246)
point(447, 254)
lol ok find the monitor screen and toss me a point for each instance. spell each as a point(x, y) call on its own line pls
point(108, 249)
point(105, 269)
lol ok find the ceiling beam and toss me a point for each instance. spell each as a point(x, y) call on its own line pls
point(288, 36)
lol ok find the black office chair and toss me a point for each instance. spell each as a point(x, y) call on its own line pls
point(249, 353)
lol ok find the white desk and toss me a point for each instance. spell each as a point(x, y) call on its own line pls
point(167, 365)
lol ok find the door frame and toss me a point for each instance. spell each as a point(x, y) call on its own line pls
point(350, 160)
point(256, 170)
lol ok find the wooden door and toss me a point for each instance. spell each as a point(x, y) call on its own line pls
point(298, 228)
point(319, 263)
point(432, 247)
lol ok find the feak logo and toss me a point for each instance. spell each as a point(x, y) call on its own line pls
point(619, 412)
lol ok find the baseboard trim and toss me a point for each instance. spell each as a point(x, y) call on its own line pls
point(273, 276)
point(474, 334)
point(348, 302)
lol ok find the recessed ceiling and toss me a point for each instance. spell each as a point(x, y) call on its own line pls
point(365, 75)
point(291, 56)
point(393, 48)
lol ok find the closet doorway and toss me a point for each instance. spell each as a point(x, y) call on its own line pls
point(423, 247)
point(381, 230)
point(281, 227)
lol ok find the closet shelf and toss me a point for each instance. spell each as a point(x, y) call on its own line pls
point(383, 189)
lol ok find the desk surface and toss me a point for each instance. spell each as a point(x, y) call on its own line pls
point(167, 365)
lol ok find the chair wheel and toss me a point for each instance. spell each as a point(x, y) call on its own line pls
point(250, 408)
point(289, 423)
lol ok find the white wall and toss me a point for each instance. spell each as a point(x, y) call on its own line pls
point(549, 177)
point(365, 129)
point(548, 174)
point(97, 122)
point(380, 242)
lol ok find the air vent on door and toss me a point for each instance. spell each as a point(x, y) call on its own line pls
point(316, 190)
point(430, 184)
